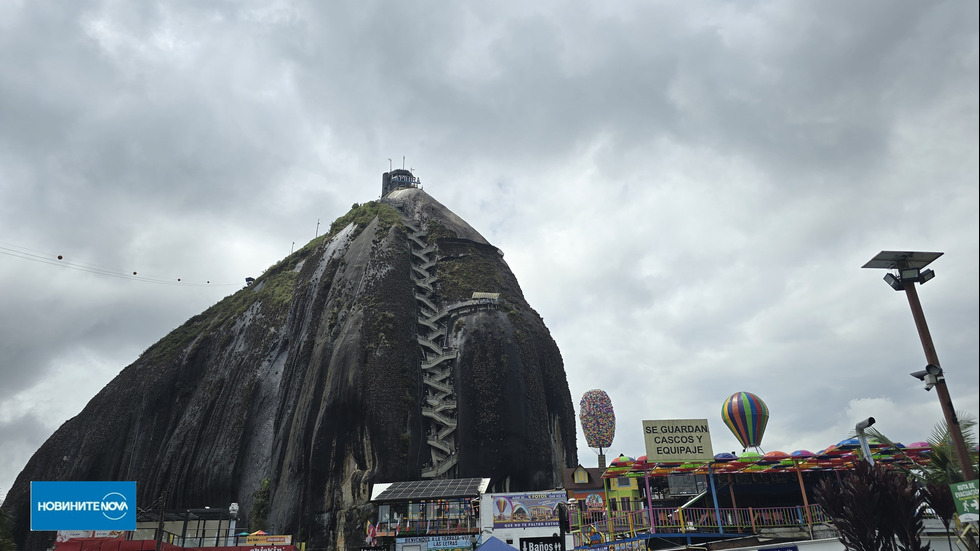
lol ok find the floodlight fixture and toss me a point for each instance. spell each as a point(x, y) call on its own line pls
point(931, 375)
point(865, 424)
point(909, 273)
point(893, 281)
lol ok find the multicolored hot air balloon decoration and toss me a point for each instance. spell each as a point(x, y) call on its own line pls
point(746, 416)
point(504, 509)
point(598, 421)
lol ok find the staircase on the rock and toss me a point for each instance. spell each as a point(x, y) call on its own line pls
point(438, 360)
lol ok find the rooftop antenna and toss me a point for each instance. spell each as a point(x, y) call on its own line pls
point(403, 162)
point(389, 164)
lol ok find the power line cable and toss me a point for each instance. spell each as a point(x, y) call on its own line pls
point(17, 251)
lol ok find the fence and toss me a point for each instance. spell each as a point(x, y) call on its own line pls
point(623, 525)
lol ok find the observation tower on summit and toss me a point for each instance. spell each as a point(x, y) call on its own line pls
point(396, 179)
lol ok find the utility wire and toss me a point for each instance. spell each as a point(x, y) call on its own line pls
point(42, 257)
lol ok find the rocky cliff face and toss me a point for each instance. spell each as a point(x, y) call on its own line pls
point(360, 358)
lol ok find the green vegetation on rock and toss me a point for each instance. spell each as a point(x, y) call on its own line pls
point(460, 276)
point(260, 506)
point(435, 231)
point(274, 288)
point(363, 214)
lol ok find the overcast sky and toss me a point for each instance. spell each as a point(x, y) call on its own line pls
point(686, 192)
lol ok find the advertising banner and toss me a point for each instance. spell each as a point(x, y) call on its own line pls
point(434, 543)
point(83, 506)
point(268, 539)
point(529, 510)
point(450, 543)
point(65, 535)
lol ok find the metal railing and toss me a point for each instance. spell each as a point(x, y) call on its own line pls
point(437, 526)
point(622, 525)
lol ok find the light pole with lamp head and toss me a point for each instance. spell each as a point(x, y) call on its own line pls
point(908, 267)
point(233, 513)
point(863, 438)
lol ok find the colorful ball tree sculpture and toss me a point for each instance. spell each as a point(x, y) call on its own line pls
point(597, 418)
point(746, 416)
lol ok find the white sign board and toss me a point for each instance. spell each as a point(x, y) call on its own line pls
point(677, 440)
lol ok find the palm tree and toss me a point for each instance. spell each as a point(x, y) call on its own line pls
point(940, 500)
point(942, 470)
point(944, 465)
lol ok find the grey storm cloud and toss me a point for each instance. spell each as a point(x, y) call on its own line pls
point(685, 192)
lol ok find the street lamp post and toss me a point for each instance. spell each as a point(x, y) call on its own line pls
point(908, 266)
point(863, 438)
point(233, 513)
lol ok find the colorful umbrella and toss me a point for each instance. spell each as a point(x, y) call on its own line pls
point(746, 416)
point(749, 457)
point(773, 457)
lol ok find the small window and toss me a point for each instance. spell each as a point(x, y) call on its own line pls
point(581, 476)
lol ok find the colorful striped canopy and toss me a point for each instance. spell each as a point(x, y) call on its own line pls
point(746, 416)
point(831, 459)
